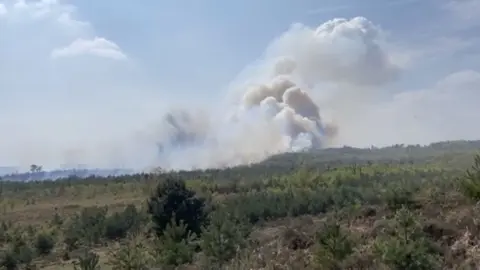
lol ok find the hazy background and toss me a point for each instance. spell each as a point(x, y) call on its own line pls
point(89, 82)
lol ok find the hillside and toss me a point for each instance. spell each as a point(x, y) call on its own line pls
point(451, 153)
point(400, 207)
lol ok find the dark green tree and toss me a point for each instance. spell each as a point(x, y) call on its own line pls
point(469, 184)
point(44, 244)
point(172, 199)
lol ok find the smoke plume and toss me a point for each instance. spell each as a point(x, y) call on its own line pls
point(275, 110)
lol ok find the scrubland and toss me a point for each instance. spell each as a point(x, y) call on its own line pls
point(391, 208)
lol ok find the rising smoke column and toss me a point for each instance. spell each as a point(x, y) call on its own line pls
point(274, 111)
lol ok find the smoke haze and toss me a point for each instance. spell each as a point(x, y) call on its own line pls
point(326, 86)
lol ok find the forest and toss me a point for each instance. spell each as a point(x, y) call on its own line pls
point(397, 207)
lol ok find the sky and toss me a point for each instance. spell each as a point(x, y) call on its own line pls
point(87, 82)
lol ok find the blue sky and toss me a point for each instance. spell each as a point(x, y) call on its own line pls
point(78, 74)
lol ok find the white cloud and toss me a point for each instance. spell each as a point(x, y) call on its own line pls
point(97, 47)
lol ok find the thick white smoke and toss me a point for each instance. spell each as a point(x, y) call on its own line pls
point(275, 111)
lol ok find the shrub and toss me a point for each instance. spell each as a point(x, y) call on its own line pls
point(120, 224)
point(89, 261)
point(333, 245)
point(172, 199)
point(88, 227)
point(44, 244)
point(57, 220)
point(224, 237)
point(22, 251)
point(132, 255)
point(8, 261)
point(407, 248)
point(398, 197)
point(469, 184)
point(175, 246)
point(19, 253)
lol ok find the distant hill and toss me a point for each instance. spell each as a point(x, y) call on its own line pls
point(457, 154)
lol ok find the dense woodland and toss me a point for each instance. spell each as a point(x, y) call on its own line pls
point(400, 207)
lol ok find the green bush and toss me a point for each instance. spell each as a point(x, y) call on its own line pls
point(8, 260)
point(44, 243)
point(132, 255)
point(118, 225)
point(175, 246)
point(87, 228)
point(172, 199)
point(21, 250)
point(88, 261)
point(224, 237)
point(333, 245)
point(408, 248)
point(469, 184)
point(398, 196)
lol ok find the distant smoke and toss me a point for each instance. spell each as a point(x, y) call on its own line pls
point(275, 111)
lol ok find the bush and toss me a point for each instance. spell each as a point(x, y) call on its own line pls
point(398, 197)
point(132, 255)
point(224, 237)
point(407, 248)
point(19, 253)
point(333, 246)
point(175, 246)
point(120, 224)
point(172, 199)
point(89, 261)
point(8, 261)
point(88, 227)
point(44, 244)
point(22, 251)
point(469, 185)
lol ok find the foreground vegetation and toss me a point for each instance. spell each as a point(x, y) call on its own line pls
point(392, 208)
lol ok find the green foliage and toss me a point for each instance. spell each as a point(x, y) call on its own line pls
point(88, 261)
point(8, 260)
point(18, 253)
point(44, 243)
point(175, 246)
point(22, 251)
point(120, 224)
point(470, 183)
point(334, 244)
point(224, 237)
point(408, 248)
point(93, 225)
point(172, 199)
point(399, 197)
point(88, 227)
point(132, 255)
point(57, 220)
